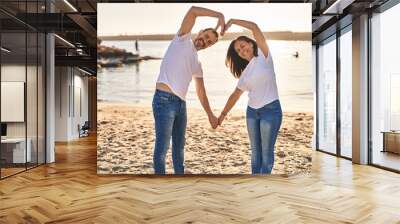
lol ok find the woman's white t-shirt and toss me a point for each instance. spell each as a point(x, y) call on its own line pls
point(258, 78)
point(179, 64)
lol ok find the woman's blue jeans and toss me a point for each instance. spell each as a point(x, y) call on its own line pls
point(263, 125)
point(170, 122)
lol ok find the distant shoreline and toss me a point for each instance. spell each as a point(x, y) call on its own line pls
point(284, 35)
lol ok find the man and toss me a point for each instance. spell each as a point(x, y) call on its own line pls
point(179, 65)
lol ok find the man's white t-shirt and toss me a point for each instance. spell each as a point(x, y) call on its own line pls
point(258, 78)
point(179, 64)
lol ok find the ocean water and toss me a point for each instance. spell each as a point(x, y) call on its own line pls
point(135, 84)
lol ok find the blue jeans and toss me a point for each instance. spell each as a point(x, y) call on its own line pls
point(170, 121)
point(263, 126)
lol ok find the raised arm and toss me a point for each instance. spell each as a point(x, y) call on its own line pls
point(194, 12)
point(257, 33)
point(234, 97)
point(202, 95)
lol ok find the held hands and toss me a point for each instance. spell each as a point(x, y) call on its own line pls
point(221, 118)
point(214, 121)
point(224, 26)
point(229, 24)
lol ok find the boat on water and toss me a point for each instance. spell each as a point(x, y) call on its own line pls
point(110, 63)
point(132, 58)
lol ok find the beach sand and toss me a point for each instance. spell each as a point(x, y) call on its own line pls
point(126, 141)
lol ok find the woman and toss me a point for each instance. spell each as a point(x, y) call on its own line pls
point(251, 62)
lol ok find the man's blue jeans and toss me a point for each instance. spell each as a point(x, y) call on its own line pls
point(170, 121)
point(263, 125)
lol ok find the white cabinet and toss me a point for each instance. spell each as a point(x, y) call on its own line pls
point(18, 149)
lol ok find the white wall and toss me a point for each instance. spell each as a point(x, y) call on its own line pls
point(12, 73)
point(79, 112)
point(62, 81)
point(70, 84)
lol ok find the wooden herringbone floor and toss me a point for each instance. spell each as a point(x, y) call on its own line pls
point(69, 191)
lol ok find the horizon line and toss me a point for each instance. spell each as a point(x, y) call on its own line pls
point(145, 34)
point(284, 35)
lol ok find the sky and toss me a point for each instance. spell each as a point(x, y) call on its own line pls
point(166, 18)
